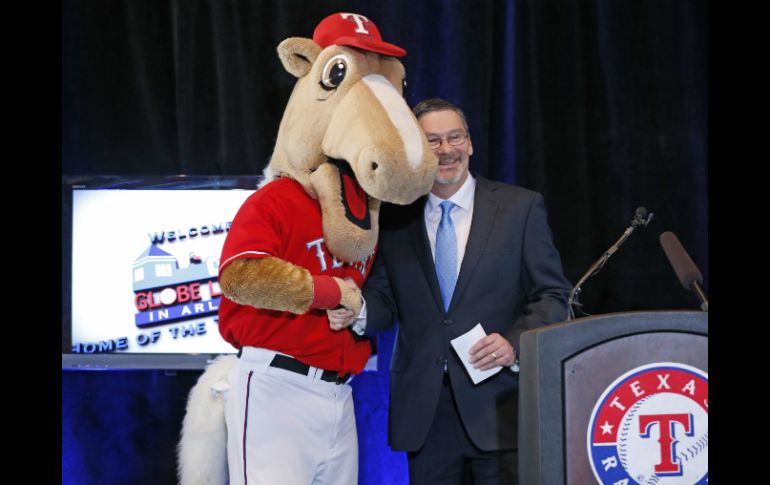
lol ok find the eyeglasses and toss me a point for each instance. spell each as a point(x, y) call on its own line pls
point(455, 139)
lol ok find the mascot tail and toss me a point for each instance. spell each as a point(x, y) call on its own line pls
point(202, 449)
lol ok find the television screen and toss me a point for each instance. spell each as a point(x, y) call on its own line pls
point(140, 257)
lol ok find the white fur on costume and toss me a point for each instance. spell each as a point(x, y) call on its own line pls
point(202, 449)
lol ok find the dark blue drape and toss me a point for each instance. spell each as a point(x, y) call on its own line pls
point(601, 105)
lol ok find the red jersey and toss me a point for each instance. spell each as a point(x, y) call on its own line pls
point(283, 221)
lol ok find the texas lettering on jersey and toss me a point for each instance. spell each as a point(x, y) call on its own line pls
point(329, 261)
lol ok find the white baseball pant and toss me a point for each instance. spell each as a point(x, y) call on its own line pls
point(288, 428)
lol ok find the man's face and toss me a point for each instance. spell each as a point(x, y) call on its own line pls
point(452, 159)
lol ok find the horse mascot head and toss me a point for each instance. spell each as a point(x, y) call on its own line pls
point(349, 139)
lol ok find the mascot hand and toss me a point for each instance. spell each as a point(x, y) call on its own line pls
point(330, 291)
point(351, 295)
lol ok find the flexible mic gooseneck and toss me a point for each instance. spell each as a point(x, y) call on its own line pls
point(688, 274)
point(641, 219)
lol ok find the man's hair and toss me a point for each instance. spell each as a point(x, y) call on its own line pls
point(438, 104)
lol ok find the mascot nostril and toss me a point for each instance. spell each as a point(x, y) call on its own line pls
point(301, 244)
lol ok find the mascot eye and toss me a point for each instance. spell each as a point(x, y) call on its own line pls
point(403, 87)
point(333, 73)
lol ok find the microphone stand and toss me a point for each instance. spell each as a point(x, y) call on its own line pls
point(638, 221)
point(704, 303)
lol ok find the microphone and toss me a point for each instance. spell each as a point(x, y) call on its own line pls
point(688, 274)
point(641, 219)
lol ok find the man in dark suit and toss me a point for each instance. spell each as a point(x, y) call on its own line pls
point(508, 278)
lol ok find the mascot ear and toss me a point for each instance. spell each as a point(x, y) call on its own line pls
point(298, 54)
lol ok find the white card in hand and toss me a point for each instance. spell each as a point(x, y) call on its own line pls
point(462, 346)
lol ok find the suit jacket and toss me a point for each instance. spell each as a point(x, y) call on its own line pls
point(510, 281)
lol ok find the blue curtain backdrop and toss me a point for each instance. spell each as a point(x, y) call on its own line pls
point(601, 105)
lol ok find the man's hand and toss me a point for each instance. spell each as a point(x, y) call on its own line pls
point(492, 351)
point(340, 318)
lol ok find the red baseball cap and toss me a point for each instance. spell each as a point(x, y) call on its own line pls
point(354, 30)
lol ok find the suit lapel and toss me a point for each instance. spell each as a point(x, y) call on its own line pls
point(419, 236)
point(485, 207)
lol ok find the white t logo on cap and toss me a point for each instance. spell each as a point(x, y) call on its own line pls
point(359, 19)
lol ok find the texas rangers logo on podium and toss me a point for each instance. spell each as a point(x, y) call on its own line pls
point(650, 427)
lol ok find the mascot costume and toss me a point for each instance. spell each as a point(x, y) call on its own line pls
point(303, 243)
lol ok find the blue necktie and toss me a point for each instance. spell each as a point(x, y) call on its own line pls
point(446, 254)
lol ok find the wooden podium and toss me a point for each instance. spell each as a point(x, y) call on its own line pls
point(565, 370)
